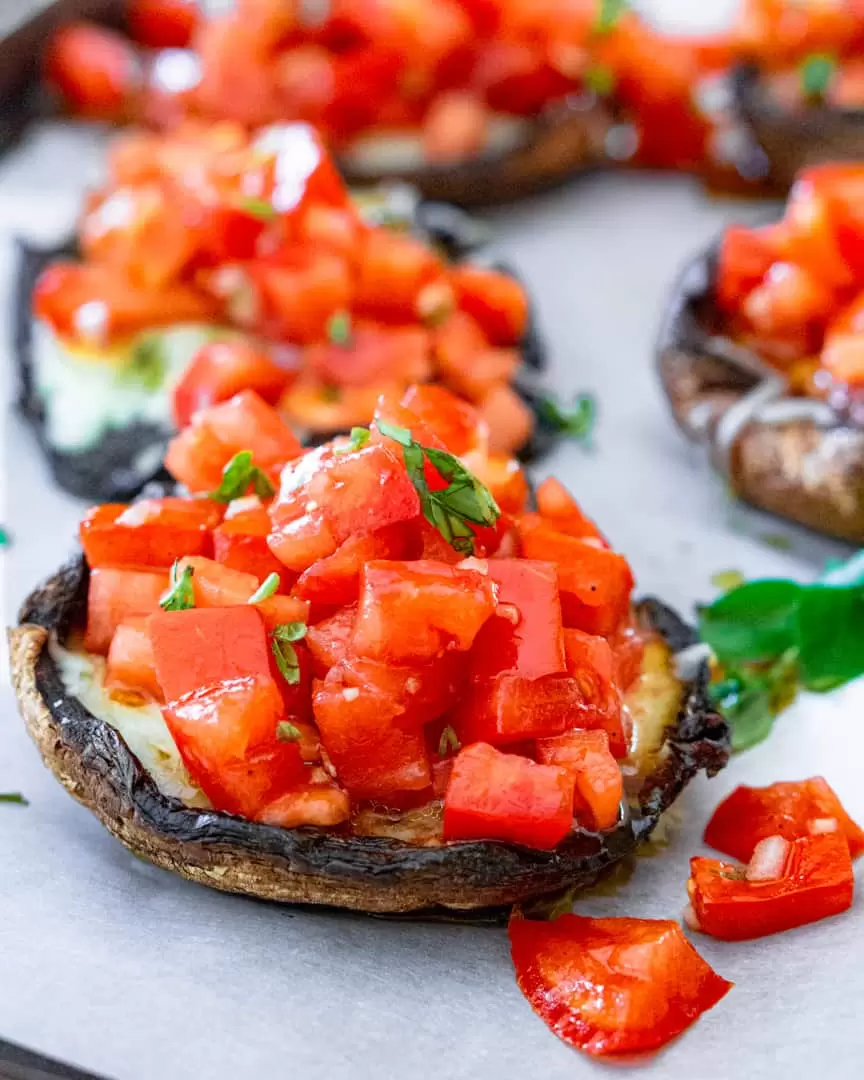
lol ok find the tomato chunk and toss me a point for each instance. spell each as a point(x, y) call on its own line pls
point(745, 258)
point(226, 733)
point(788, 809)
point(117, 595)
point(94, 69)
point(788, 883)
point(416, 610)
point(560, 509)
point(196, 648)
point(497, 301)
point(495, 796)
point(335, 580)
point(592, 663)
point(163, 24)
point(612, 986)
point(240, 543)
point(131, 664)
point(599, 783)
point(152, 532)
point(329, 639)
point(221, 369)
point(319, 805)
point(510, 708)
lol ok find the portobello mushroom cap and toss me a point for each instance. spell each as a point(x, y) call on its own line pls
point(126, 458)
point(793, 139)
point(677, 729)
point(797, 457)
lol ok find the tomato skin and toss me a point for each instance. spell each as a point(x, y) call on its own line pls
point(152, 532)
point(599, 783)
point(497, 301)
point(329, 639)
point(131, 664)
point(221, 369)
point(495, 796)
point(226, 735)
point(786, 809)
point(744, 259)
point(816, 882)
point(612, 986)
point(95, 70)
point(163, 24)
point(115, 595)
point(375, 354)
point(456, 423)
point(592, 663)
point(335, 580)
point(236, 647)
point(240, 543)
point(416, 610)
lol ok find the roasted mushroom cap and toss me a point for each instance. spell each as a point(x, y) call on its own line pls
point(794, 456)
point(678, 734)
point(793, 139)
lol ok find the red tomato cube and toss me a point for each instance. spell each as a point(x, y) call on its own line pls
point(240, 543)
point(131, 664)
point(117, 595)
point(151, 532)
point(329, 639)
point(497, 301)
point(336, 580)
point(221, 369)
point(599, 783)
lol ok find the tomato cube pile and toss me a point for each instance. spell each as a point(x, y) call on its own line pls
point(362, 623)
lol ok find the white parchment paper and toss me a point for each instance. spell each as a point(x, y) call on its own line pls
point(131, 972)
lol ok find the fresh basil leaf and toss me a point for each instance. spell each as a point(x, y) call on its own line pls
point(287, 732)
point(756, 621)
point(576, 421)
point(339, 331)
point(449, 741)
point(608, 14)
point(181, 595)
point(14, 797)
point(290, 631)
point(816, 72)
point(5, 538)
point(397, 434)
point(238, 475)
point(831, 635)
point(600, 79)
point(748, 710)
point(266, 589)
point(259, 208)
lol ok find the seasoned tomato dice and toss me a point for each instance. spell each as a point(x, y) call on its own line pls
point(215, 585)
point(226, 733)
point(509, 419)
point(240, 543)
point(329, 639)
point(131, 664)
point(510, 709)
point(373, 355)
point(745, 258)
point(594, 666)
point(394, 270)
point(163, 24)
point(302, 541)
point(117, 595)
point(301, 292)
point(599, 783)
point(221, 369)
point(504, 477)
point(456, 422)
point(497, 301)
point(314, 804)
point(495, 796)
point(152, 532)
point(558, 507)
point(94, 69)
point(416, 610)
point(195, 648)
point(336, 579)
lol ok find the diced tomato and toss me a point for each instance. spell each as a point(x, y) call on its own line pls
point(131, 664)
point(197, 647)
point(456, 423)
point(495, 796)
point(302, 293)
point(509, 419)
point(842, 357)
point(393, 271)
point(524, 637)
point(456, 126)
point(560, 509)
point(329, 639)
point(303, 541)
point(221, 369)
point(789, 300)
point(318, 805)
point(599, 783)
point(226, 733)
point(163, 24)
point(788, 809)
point(117, 595)
point(336, 579)
point(497, 301)
point(612, 986)
point(373, 355)
point(744, 259)
point(95, 70)
point(510, 709)
point(215, 585)
point(595, 583)
point(416, 610)
point(504, 477)
point(240, 543)
point(788, 883)
point(592, 663)
point(151, 532)
point(628, 648)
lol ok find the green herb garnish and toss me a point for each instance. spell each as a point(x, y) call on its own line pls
point(339, 328)
point(576, 421)
point(282, 645)
point(359, 438)
point(181, 595)
point(259, 208)
point(449, 741)
point(287, 732)
point(147, 365)
point(5, 538)
point(464, 502)
point(238, 475)
point(600, 79)
point(608, 14)
point(266, 589)
point(771, 635)
point(14, 797)
point(816, 72)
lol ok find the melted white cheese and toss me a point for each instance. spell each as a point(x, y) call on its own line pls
point(86, 391)
point(142, 726)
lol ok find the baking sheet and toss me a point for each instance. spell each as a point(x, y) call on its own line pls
point(131, 972)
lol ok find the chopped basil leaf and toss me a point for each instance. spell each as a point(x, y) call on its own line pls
point(287, 732)
point(259, 208)
point(576, 421)
point(465, 499)
point(266, 589)
point(339, 328)
point(238, 475)
point(816, 73)
point(359, 438)
point(600, 78)
point(147, 365)
point(14, 797)
point(608, 14)
point(181, 595)
point(284, 653)
point(449, 741)
point(5, 538)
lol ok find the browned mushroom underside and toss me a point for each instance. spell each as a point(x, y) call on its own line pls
point(797, 459)
point(369, 873)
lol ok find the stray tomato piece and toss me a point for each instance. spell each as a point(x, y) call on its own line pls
point(336, 579)
point(329, 639)
point(416, 610)
point(196, 648)
point(319, 805)
point(809, 879)
point(152, 532)
point(131, 664)
point(226, 733)
point(117, 595)
point(497, 301)
point(221, 369)
point(789, 809)
point(599, 783)
point(612, 986)
point(495, 796)
point(95, 70)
